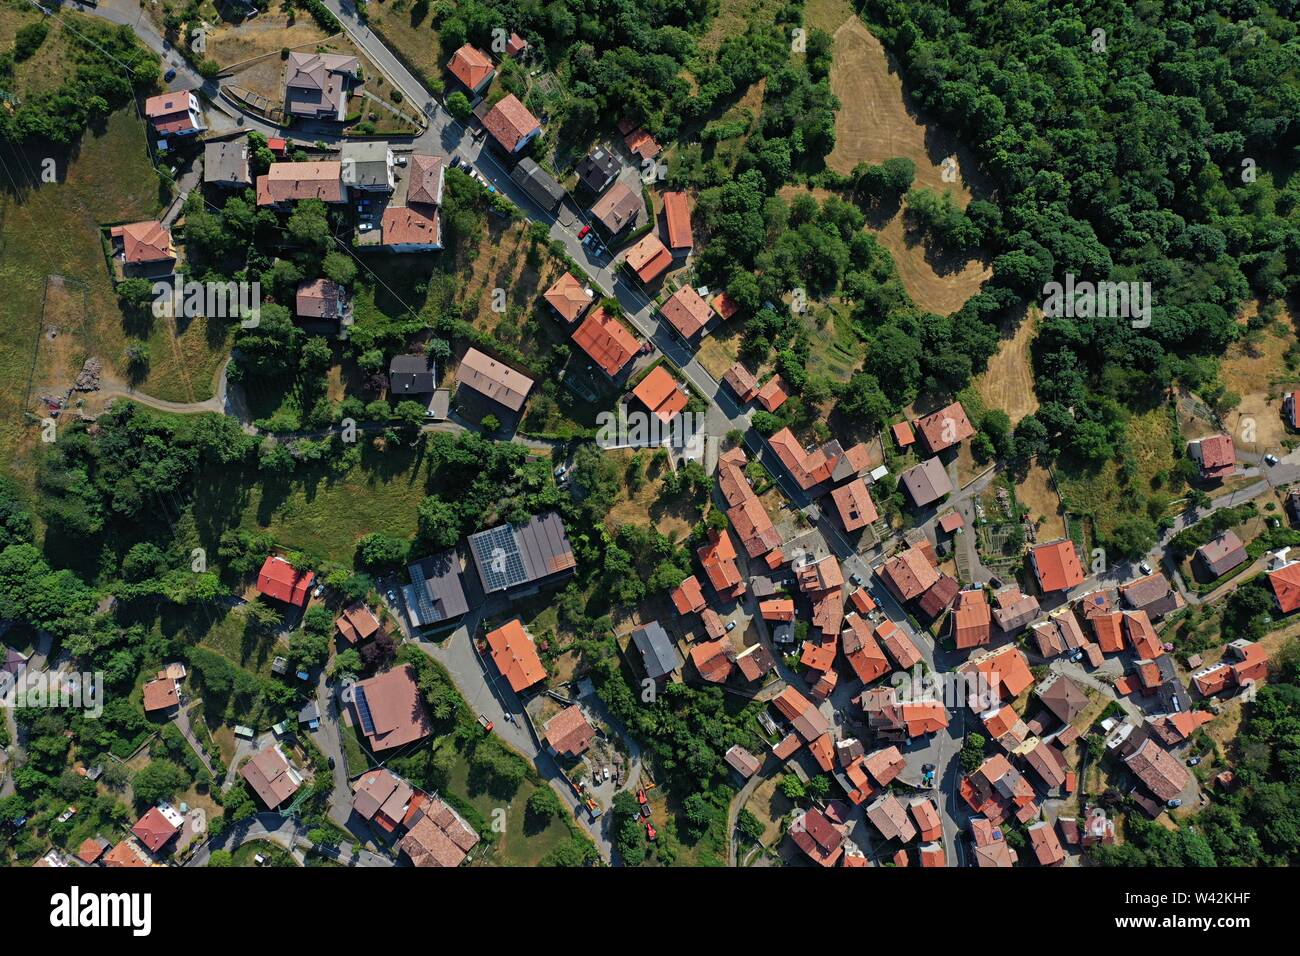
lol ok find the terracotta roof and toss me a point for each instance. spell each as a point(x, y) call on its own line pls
point(713, 660)
point(1065, 698)
point(742, 761)
point(290, 182)
point(1218, 456)
point(773, 393)
point(161, 694)
point(568, 297)
point(1285, 582)
point(1252, 661)
point(688, 596)
point(888, 816)
point(154, 830)
point(641, 143)
point(908, 574)
point(817, 837)
point(938, 596)
point(1109, 631)
point(932, 855)
point(972, 619)
point(1014, 608)
point(123, 855)
point(786, 746)
point(862, 652)
point(755, 662)
point(677, 212)
point(383, 798)
point(820, 575)
point(471, 66)
point(1048, 762)
point(823, 751)
point(319, 299)
point(1211, 680)
point(396, 708)
point(718, 556)
point(426, 179)
point(499, 382)
point(923, 717)
point(91, 850)
point(725, 305)
point(1143, 637)
point(356, 623)
point(927, 820)
point(144, 242)
point(509, 122)
point(569, 732)
point(281, 580)
point(898, 644)
point(1047, 848)
point(863, 601)
point(1000, 721)
point(807, 468)
point(515, 655)
point(660, 393)
point(1154, 766)
point(411, 226)
point(944, 428)
point(741, 381)
point(1057, 566)
point(806, 719)
point(687, 312)
point(438, 837)
point(649, 258)
point(884, 765)
point(819, 655)
point(606, 340)
point(1006, 670)
point(750, 521)
point(903, 434)
point(777, 609)
point(271, 777)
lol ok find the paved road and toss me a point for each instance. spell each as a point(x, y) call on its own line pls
point(285, 832)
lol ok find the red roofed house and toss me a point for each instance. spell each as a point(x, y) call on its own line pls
point(802, 715)
point(472, 67)
point(568, 297)
point(389, 709)
point(1056, 566)
point(292, 182)
point(271, 776)
point(687, 313)
point(1284, 579)
point(415, 228)
point(437, 835)
point(927, 819)
point(1215, 455)
point(903, 434)
point(944, 428)
point(648, 258)
point(1143, 637)
point(660, 393)
point(515, 655)
point(144, 243)
point(972, 619)
point(607, 341)
point(807, 468)
point(908, 574)
point(725, 305)
point(819, 839)
point(356, 623)
point(773, 394)
point(751, 522)
point(677, 214)
point(1047, 848)
point(777, 609)
point(511, 125)
point(713, 660)
point(157, 827)
point(175, 114)
point(862, 651)
point(741, 381)
point(162, 693)
point(569, 733)
point(688, 597)
point(280, 580)
point(718, 556)
point(898, 645)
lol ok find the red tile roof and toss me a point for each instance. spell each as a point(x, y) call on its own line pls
point(750, 521)
point(515, 655)
point(568, 297)
point(773, 394)
point(396, 708)
point(972, 619)
point(853, 501)
point(154, 830)
point(903, 434)
point(411, 226)
point(688, 596)
point(1218, 456)
point(713, 659)
point(908, 574)
point(687, 312)
point(606, 340)
point(862, 652)
point(281, 580)
point(160, 694)
point(471, 66)
point(725, 305)
point(1143, 637)
point(777, 609)
point(356, 623)
point(509, 122)
point(718, 556)
point(944, 428)
point(1057, 566)
point(677, 212)
point(271, 777)
point(1285, 582)
point(741, 381)
point(807, 468)
point(144, 242)
point(649, 258)
point(660, 393)
point(289, 182)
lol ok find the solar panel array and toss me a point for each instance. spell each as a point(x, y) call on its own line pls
point(363, 711)
point(497, 554)
point(427, 613)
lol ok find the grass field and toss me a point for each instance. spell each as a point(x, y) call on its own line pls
point(1255, 368)
point(1008, 383)
point(1036, 494)
point(43, 71)
point(673, 517)
point(230, 44)
point(415, 40)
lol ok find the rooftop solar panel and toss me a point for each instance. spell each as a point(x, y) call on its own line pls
point(425, 609)
point(363, 711)
point(496, 552)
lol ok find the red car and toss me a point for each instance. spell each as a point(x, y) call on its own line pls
point(582, 232)
point(650, 833)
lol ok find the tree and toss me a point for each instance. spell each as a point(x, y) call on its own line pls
point(339, 267)
point(490, 423)
point(792, 787)
point(458, 105)
point(972, 752)
point(543, 805)
point(158, 782)
point(439, 523)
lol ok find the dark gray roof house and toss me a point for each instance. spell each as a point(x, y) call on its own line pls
point(521, 559)
point(597, 169)
point(1218, 557)
point(225, 163)
point(436, 593)
point(538, 183)
point(658, 653)
point(410, 375)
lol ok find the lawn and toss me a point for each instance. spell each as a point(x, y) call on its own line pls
point(227, 634)
point(274, 854)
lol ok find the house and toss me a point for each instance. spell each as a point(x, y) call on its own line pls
point(944, 428)
point(755, 662)
point(1056, 566)
point(1146, 643)
point(1291, 410)
point(225, 163)
point(1152, 594)
point(718, 557)
point(998, 790)
point(569, 733)
point(389, 709)
point(497, 382)
point(618, 209)
point(951, 523)
point(1004, 673)
point(904, 437)
point(754, 527)
point(127, 853)
point(472, 68)
point(661, 394)
point(1005, 726)
point(515, 655)
point(862, 651)
point(1173, 729)
point(659, 655)
point(886, 813)
point(725, 305)
point(1251, 661)
point(538, 183)
point(316, 85)
point(773, 394)
point(1014, 609)
point(511, 125)
point(596, 170)
point(713, 660)
point(161, 694)
point(436, 835)
point(568, 297)
point(91, 850)
point(991, 848)
point(638, 142)
point(741, 381)
point(426, 179)
point(807, 468)
point(898, 645)
point(322, 299)
point(175, 114)
point(270, 775)
point(158, 827)
point(971, 619)
point(926, 816)
point(357, 623)
point(819, 839)
point(648, 258)
point(1215, 455)
point(144, 244)
point(411, 375)
point(409, 228)
point(1109, 630)
point(688, 597)
point(927, 482)
point(607, 341)
point(742, 761)
point(938, 596)
point(436, 594)
point(677, 216)
point(1158, 770)
point(1217, 557)
point(1059, 634)
point(908, 574)
point(280, 580)
point(383, 799)
point(1284, 578)
point(819, 655)
point(801, 714)
point(1063, 697)
point(292, 182)
point(1047, 848)
point(368, 166)
point(686, 312)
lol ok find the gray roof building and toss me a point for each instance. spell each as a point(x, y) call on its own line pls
point(368, 166)
point(538, 183)
point(618, 208)
point(436, 592)
point(658, 653)
point(411, 375)
point(597, 169)
point(1221, 555)
point(927, 482)
point(515, 559)
point(225, 163)
point(316, 84)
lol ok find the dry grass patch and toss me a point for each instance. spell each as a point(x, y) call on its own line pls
point(1036, 494)
point(672, 517)
point(232, 44)
point(720, 348)
point(1008, 382)
point(1255, 369)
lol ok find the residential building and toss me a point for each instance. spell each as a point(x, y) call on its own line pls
point(522, 559)
point(597, 170)
point(410, 228)
point(368, 166)
point(158, 827)
point(1217, 557)
point(718, 557)
point(742, 761)
point(495, 381)
point(143, 245)
point(161, 694)
point(568, 297)
point(1284, 578)
point(270, 775)
point(618, 209)
point(888, 816)
point(661, 394)
point(436, 594)
point(538, 183)
point(1047, 848)
point(225, 163)
point(971, 619)
point(648, 258)
point(741, 381)
point(991, 847)
point(807, 721)
point(607, 341)
point(383, 799)
point(1014, 609)
point(427, 178)
point(819, 839)
point(1151, 593)
point(944, 428)
point(357, 623)
point(808, 468)
point(511, 125)
point(713, 660)
point(292, 182)
point(322, 299)
point(411, 375)
point(437, 835)
point(1063, 696)
point(659, 655)
point(1056, 566)
point(688, 597)
point(861, 650)
point(755, 662)
point(1215, 456)
point(927, 482)
point(677, 216)
point(472, 68)
point(908, 574)
point(569, 733)
point(773, 394)
point(175, 114)
point(316, 84)
point(686, 312)
point(1158, 770)
point(280, 580)
point(389, 709)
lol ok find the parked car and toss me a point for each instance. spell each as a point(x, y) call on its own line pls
point(1192, 762)
point(856, 579)
point(583, 231)
point(606, 773)
point(400, 160)
point(731, 625)
point(1270, 459)
point(365, 227)
point(559, 472)
point(330, 761)
point(1145, 567)
point(1173, 804)
point(485, 723)
point(318, 590)
point(169, 76)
